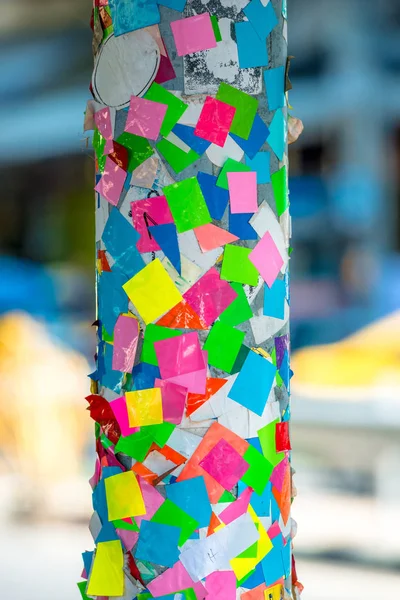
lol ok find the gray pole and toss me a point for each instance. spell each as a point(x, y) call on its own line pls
point(192, 487)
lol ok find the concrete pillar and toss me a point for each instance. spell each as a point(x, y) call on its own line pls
point(192, 488)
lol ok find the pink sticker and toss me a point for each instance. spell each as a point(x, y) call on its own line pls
point(173, 400)
point(221, 585)
point(173, 580)
point(193, 34)
point(112, 182)
point(103, 121)
point(118, 406)
point(224, 464)
point(145, 117)
point(126, 337)
point(196, 381)
point(215, 121)
point(145, 214)
point(267, 259)
point(278, 474)
point(211, 237)
point(128, 537)
point(210, 296)
point(179, 355)
point(274, 530)
point(243, 192)
point(238, 508)
point(152, 500)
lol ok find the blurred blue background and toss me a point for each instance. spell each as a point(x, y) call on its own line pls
point(345, 269)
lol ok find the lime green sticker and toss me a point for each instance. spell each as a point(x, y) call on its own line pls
point(187, 204)
point(230, 166)
point(257, 476)
point(120, 524)
point(246, 109)
point(175, 110)
point(155, 333)
point(177, 158)
point(266, 435)
point(237, 267)
point(223, 345)
point(279, 185)
point(170, 514)
point(239, 311)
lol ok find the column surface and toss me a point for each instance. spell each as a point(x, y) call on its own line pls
point(191, 394)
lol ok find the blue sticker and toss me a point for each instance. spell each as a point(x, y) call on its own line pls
point(251, 49)
point(261, 504)
point(167, 238)
point(158, 543)
point(112, 299)
point(239, 225)
point(254, 382)
point(216, 198)
point(130, 15)
point(255, 578)
point(277, 134)
point(274, 299)
point(261, 164)
point(120, 238)
point(274, 86)
point(263, 18)
point(175, 4)
point(284, 370)
point(144, 376)
point(192, 497)
point(186, 134)
point(87, 558)
point(258, 136)
point(272, 565)
point(109, 378)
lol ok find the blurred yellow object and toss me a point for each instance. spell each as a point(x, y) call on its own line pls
point(364, 363)
point(43, 424)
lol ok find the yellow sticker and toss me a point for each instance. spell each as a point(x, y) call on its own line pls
point(107, 576)
point(152, 291)
point(243, 566)
point(144, 407)
point(124, 496)
point(273, 593)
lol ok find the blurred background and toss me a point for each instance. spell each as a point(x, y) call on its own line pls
point(345, 202)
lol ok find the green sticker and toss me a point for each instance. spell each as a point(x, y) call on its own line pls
point(155, 333)
point(223, 345)
point(246, 109)
point(279, 185)
point(257, 476)
point(216, 29)
point(136, 445)
point(240, 359)
point(175, 110)
point(186, 202)
point(237, 267)
point(230, 166)
point(239, 310)
point(266, 435)
point(227, 497)
point(82, 588)
point(177, 158)
point(120, 524)
point(170, 514)
point(99, 143)
point(160, 434)
point(138, 147)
